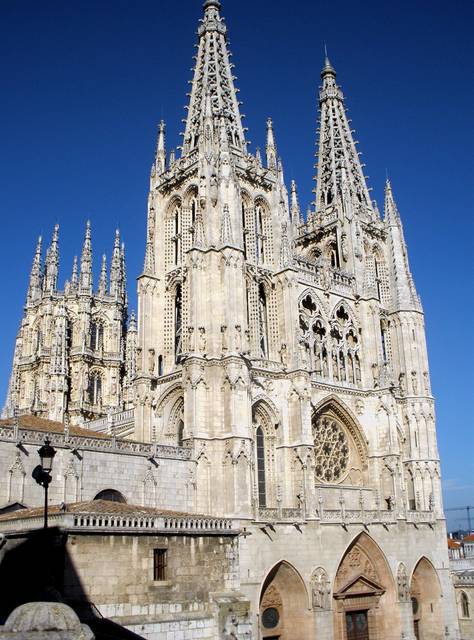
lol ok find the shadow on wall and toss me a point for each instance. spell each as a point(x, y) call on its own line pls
point(36, 567)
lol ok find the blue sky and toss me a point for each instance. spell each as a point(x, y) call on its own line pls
point(84, 84)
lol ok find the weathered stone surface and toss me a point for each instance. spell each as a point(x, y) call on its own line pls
point(44, 621)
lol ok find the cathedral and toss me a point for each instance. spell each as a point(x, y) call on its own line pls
point(275, 381)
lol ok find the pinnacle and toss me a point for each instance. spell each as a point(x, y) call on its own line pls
point(211, 3)
point(327, 67)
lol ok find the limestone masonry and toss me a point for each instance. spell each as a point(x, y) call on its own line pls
point(265, 425)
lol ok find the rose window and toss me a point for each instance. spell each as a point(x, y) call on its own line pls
point(331, 450)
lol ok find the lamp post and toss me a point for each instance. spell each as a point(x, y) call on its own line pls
point(42, 473)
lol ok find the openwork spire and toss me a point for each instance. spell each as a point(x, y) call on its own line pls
point(213, 87)
point(103, 276)
point(406, 296)
point(227, 237)
point(116, 267)
point(86, 262)
point(34, 288)
point(339, 169)
point(52, 263)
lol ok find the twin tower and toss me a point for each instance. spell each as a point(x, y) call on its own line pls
point(287, 350)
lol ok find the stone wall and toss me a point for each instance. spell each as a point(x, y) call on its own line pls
point(79, 473)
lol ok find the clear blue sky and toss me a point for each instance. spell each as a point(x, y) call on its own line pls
point(84, 84)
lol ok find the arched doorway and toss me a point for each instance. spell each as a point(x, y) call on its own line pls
point(284, 612)
point(364, 592)
point(425, 594)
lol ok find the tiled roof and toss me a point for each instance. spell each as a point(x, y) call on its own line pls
point(42, 424)
point(469, 538)
point(105, 507)
point(453, 544)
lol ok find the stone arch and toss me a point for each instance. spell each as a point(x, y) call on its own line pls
point(111, 495)
point(322, 306)
point(364, 591)
point(354, 462)
point(165, 411)
point(266, 436)
point(426, 594)
point(283, 605)
point(320, 589)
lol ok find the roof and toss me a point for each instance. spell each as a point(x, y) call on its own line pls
point(49, 426)
point(469, 538)
point(104, 507)
point(453, 544)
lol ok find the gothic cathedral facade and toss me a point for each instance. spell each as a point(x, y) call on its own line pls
point(287, 351)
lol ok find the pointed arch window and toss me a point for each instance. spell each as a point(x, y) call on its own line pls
point(244, 232)
point(177, 235)
point(465, 605)
point(180, 433)
point(259, 234)
point(94, 391)
point(96, 335)
point(261, 480)
point(178, 323)
point(263, 321)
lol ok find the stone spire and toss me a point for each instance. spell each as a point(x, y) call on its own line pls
point(199, 233)
point(403, 286)
point(271, 150)
point(149, 264)
point(103, 277)
point(86, 262)
point(295, 205)
point(74, 275)
point(116, 268)
point(160, 158)
point(123, 289)
point(227, 237)
point(34, 288)
point(213, 83)
point(337, 157)
point(50, 282)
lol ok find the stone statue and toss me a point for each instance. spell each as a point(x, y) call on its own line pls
point(284, 355)
point(151, 361)
point(414, 382)
point(225, 344)
point(202, 340)
point(238, 338)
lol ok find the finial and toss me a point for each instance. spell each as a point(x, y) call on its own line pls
point(211, 3)
point(327, 67)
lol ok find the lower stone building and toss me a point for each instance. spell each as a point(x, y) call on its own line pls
point(146, 563)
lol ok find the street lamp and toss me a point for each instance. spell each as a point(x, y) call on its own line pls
point(42, 473)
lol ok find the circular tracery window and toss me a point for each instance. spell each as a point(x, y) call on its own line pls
point(331, 450)
point(270, 618)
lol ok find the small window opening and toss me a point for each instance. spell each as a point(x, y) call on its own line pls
point(160, 558)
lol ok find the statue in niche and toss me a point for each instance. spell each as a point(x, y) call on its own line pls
point(202, 340)
point(191, 345)
point(213, 190)
point(359, 407)
point(284, 355)
point(426, 381)
point(304, 355)
point(247, 341)
point(402, 384)
point(225, 345)
point(402, 584)
point(375, 374)
point(238, 338)
point(414, 382)
point(320, 589)
point(151, 361)
point(345, 253)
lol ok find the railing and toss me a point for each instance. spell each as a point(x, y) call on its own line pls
point(94, 443)
point(421, 517)
point(126, 523)
point(110, 424)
